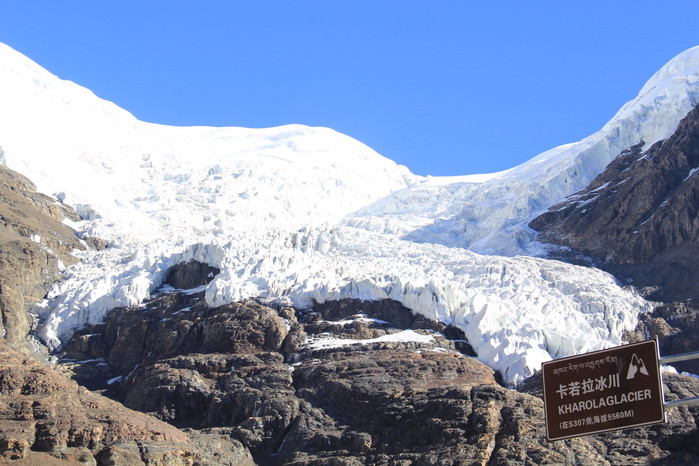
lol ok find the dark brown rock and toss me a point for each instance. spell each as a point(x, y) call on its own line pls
point(84, 345)
point(42, 411)
point(384, 401)
point(676, 325)
point(180, 323)
point(385, 313)
point(639, 219)
point(191, 274)
point(203, 368)
point(34, 246)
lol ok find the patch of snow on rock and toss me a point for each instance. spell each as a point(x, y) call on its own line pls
point(403, 336)
point(296, 215)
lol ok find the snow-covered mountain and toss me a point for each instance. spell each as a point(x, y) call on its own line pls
point(489, 213)
point(296, 214)
point(638, 218)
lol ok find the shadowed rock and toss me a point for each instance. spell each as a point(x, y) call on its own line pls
point(42, 411)
point(191, 274)
point(359, 398)
point(639, 219)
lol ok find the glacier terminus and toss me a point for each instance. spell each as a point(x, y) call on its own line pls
point(295, 215)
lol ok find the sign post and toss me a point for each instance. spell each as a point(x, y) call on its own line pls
point(604, 390)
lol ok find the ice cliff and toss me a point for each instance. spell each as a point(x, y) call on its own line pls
point(296, 214)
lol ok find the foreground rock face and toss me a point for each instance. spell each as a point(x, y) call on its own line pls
point(639, 219)
point(676, 326)
point(347, 383)
point(45, 417)
point(34, 246)
point(675, 443)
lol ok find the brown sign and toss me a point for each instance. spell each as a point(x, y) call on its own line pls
point(601, 391)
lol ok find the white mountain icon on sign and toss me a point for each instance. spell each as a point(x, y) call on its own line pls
point(637, 365)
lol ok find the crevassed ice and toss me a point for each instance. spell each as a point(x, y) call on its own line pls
point(489, 213)
point(295, 215)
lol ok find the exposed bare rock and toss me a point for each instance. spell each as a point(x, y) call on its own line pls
point(383, 314)
point(190, 275)
point(392, 403)
point(180, 323)
point(676, 326)
point(639, 219)
point(34, 246)
point(43, 412)
point(214, 390)
point(363, 399)
point(225, 368)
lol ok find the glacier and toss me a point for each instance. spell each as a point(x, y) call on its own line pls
point(295, 215)
point(489, 213)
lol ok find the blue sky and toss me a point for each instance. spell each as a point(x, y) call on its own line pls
point(444, 87)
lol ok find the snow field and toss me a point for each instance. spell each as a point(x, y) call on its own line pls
point(516, 312)
point(294, 215)
point(489, 213)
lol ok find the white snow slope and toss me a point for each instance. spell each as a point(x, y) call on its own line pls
point(296, 214)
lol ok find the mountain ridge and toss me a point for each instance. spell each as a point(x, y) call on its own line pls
point(298, 215)
point(365, 367)
point(637, 219)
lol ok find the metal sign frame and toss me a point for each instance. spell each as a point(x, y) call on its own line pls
point(602, 391)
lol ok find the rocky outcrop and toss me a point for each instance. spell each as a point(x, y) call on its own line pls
point(676, 326)
point(34, 246)
point(384, 313)
point(228, 368)
point(348, 382)
point(639, 219)
point(44, 418)
point(190, 275)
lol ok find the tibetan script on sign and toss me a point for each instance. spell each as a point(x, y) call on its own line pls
point(601, 391)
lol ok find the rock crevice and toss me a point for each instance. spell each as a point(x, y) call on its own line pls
point(347, 394)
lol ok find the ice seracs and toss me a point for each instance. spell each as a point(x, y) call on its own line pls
point(295, 215)
point(489, 213)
